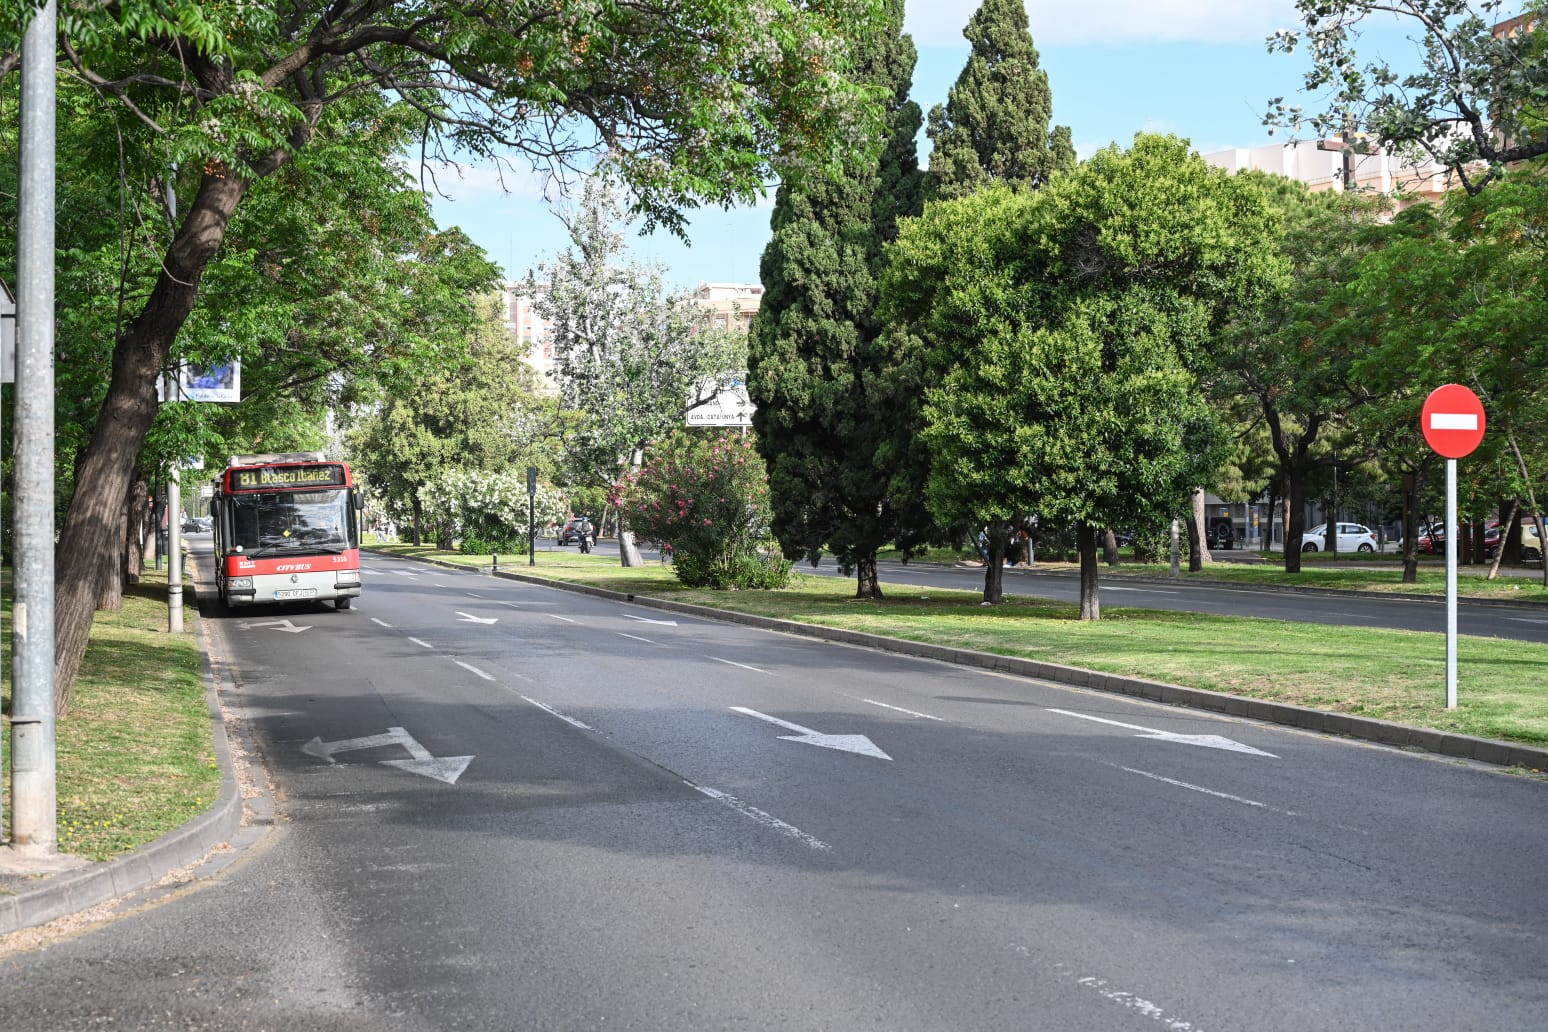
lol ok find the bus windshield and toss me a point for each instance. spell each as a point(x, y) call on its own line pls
point(269, 522)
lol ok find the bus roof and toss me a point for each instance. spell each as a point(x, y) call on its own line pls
point(273, 457)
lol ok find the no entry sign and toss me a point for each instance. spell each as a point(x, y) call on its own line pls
point(1452, 420)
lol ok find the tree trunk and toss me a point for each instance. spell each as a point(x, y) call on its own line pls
point(628, 548)
point(1200, 532)
point(1411, 532)
point(1109, 547)
point(994, 569)
point(92, 527)
point(867, 584)
point(1086, 544)
point(418, 512)
point(1295, 516)
point(1506, 525)
point(134, 533)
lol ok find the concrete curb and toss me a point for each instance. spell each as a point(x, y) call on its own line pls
point(1445, 743)
point(69, 892)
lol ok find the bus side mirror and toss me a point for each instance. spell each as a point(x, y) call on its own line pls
point(358, 499)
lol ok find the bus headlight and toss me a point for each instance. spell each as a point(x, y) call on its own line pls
point(240, 583)
point(346, 577)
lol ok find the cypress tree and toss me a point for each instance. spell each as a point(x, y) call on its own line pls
point(994, 126)
point(815, 354)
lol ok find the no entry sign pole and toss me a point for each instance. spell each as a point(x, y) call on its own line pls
point(1453, 423)
point(1451, 583)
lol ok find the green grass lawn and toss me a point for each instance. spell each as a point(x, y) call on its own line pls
point(134, 757)
point(1391, 675)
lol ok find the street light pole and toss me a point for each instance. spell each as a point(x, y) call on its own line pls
point(34, 823)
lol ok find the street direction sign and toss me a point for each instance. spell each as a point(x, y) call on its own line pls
point(858, 744)
point(1452, 420)
point(440, 768)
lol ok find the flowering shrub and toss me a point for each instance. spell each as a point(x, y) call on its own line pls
point(488, 511)
point(707, 499)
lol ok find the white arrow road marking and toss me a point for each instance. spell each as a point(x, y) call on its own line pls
point(283, 625)
point(1208, 741)
point(900, 709)
point(441, 768)
point(806, 736)
point(646, 619)
point(470, 618)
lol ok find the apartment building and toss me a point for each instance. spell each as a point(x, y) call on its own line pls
point(1321, 165)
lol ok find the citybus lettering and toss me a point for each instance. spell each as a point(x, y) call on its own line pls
point(294, 476)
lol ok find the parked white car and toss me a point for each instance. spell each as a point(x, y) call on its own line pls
point(1352, 537)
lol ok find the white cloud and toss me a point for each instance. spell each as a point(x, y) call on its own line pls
point(940, 22)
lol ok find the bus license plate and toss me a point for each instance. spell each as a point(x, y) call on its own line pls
point(295, 593)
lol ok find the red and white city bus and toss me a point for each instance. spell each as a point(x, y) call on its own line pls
point(287, 528)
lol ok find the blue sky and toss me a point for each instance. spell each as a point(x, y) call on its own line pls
point(1196, 68)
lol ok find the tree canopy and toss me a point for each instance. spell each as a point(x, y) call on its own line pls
point(1066, 328)
point(816, 358)
point(994, 126)
point(1474, 102)
point(687, 102)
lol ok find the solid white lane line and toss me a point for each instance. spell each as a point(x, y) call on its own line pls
point(555, 713)
point(744, 666)
point(900, 709)
point(472, 669)
point(382, 623)
point(768, 820)
point(636, 637)
point(556, 616)
point(422, 644)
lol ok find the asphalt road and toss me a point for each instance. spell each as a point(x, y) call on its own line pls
point(1498, 620)
point(511, 807)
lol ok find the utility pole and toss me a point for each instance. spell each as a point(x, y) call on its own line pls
point(174, 481)
point(34, 822)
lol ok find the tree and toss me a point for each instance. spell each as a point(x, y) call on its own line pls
point(816, 353)
point(994, 125)
point(632, 358)
point(1475, 105)
point(1457, 294)
point(1293, 352)
point(1067, 327)
point(692, 101)
point(478, 414)
point(706, 499)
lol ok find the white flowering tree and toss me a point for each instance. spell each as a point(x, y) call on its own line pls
point(487, 511)
point(632, 356)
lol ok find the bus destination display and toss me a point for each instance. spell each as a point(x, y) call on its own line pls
point(287, 476)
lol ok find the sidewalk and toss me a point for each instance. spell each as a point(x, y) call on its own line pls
point(244, 811)
point(35, 891)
